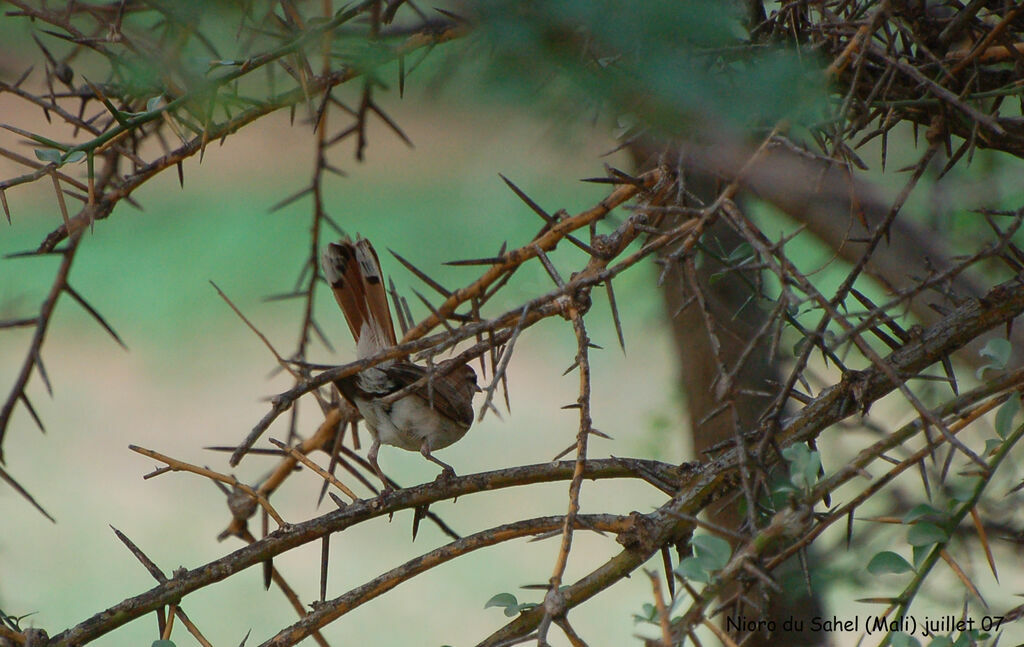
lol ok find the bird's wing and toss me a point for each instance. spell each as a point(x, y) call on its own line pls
point(444, 392)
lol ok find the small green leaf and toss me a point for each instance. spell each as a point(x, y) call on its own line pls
point(796, 452)
point(647, 615)
point(154, 102)
point(900, 639)
point(74, 156)
point(920, 553)
point(509, 603)
point(997, 351)
point(47, 155)
point(712, 552)
point(812, 469)
point(963, 490)
point(804, 465)
point(941, 641)
point(921, 511)
point(742, 252)
point(926, 533)
point(691, 569)
point(991, 446)
point(888, 562)
point(503, 600)
point(967, 638)
point(1006, 414)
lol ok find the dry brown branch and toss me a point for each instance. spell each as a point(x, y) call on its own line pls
point(334, 609)
point(293, 535)
point(159, 576)
point(554, 604)
point(322, 473)
point(175, 465)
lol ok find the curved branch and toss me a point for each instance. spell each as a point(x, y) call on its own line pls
point(327, 612)
point(289, 537)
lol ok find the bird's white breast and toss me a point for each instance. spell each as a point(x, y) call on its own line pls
point(406, 422)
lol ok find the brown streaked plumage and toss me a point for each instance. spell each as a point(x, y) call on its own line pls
point(435, 414)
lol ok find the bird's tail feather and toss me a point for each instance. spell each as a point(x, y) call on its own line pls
point(353, 271)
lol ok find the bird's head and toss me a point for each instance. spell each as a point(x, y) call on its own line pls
point(467, 376)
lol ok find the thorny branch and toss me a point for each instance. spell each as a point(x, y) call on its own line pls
point(890, 63)
point(108, 190)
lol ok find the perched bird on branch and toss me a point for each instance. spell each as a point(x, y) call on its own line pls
point(435, 413)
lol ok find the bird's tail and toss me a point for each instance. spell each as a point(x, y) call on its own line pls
point(353, 271)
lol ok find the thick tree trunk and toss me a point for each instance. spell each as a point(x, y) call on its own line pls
point(733, 319)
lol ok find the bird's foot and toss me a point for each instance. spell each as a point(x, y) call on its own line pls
point(447, 474)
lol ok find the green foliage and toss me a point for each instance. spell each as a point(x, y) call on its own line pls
point(57, 157)
point(675, 66)
point(963, 490)
point(48, 155)
point(710, 554)
point(900, 639)
point(1006, 414)
point(888, 562)
point(690, 569)
point(923, 511)
point(648, 614)
point(804, 467)
point(920, 553)
point(509, 603)
point(997, 351)
point(926, 533)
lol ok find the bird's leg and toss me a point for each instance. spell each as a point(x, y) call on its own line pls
point(447, 471)
point(372, 457)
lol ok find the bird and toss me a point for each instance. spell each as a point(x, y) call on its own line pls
point(434, 414)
